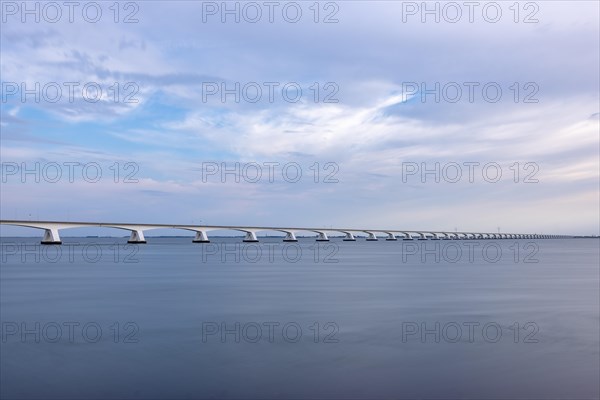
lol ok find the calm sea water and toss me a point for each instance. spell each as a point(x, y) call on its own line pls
point(172, 319)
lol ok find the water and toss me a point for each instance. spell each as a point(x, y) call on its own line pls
point(361, 306)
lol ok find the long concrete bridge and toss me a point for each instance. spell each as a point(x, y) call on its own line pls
point(52, 228)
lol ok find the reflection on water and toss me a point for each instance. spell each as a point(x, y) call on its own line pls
point(445, 319)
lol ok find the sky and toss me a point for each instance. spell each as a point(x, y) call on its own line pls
point(355, 114)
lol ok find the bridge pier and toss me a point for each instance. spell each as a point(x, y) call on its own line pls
point(137, 236)
point(322, 237)
point(349, 237)
point(51, 237)
point(407, 236)
point(422, 236)
point(290, 237)
point(391, 236)
point(250, 237)
point(201, 237)
point(371, 236)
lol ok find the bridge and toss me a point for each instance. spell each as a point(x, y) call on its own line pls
point(52, 228)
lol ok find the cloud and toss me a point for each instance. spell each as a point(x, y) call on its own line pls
point(374, 128)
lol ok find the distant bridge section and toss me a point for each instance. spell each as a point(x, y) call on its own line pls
point(52, 228)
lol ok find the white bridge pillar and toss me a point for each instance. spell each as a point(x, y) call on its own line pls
point(422, 236)
point(349, 237)
point(201, 237)
point(137, 236)
point(407, 236)
point(250, 237)
point(322, 237)
point(290, 237)
point(391, 236)
point(371, 236)
point(51, 237)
